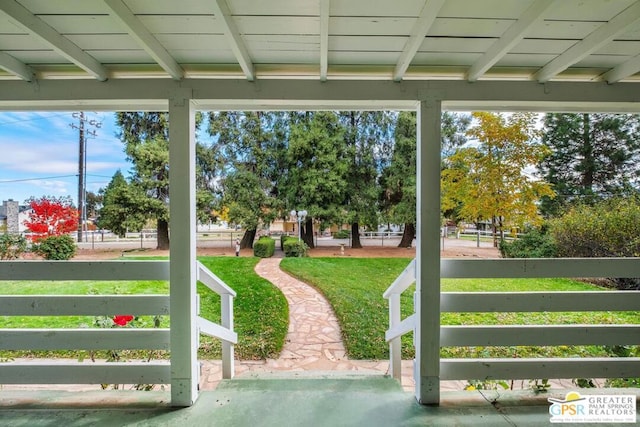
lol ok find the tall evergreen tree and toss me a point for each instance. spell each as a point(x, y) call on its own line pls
point(146, 139)
point(122, 210)
point(398, 180)
point(317, 169)
point(593, 156)
point(251, 145)
point(368, 138)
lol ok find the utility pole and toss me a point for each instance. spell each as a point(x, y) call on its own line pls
point(83, 133)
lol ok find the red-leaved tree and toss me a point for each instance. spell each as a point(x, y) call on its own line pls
point(51, 216)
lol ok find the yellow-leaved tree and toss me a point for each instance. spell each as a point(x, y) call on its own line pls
point(486, 179)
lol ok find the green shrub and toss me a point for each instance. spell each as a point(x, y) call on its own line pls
point(295, 248)
point(608, 229)
point(56, 247)
point(264, 247)
point(283, 238)
point(12, 246)
point(342, 234)
point(535, 243)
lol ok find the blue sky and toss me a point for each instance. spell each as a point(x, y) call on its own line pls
point(39, 154)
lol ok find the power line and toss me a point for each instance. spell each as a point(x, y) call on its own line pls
point(33, 119)
point(98, 176)
point(7, 181)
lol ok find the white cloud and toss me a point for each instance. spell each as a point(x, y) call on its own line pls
point(37, 158)
point(53, 186)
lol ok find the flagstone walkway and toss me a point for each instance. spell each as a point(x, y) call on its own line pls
point(314, 333)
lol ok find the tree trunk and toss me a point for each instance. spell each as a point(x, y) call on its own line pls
point(163, 234)
point(355, 236)
point(588, 162)
point(307, 233)
point(247, 239)
point(408, 235)
point(494, 227)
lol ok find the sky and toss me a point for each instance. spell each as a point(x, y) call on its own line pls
point(39, 154)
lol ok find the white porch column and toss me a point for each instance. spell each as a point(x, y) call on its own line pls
point(182, 226)
point(427, 298)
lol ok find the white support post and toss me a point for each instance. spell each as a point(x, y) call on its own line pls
point(427, 299)
point(228, 365)
point(182, 262)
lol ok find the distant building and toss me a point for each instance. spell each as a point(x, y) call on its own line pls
point(12, 216)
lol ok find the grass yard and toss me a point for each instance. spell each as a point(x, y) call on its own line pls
point(261, 311)
point(354, 286)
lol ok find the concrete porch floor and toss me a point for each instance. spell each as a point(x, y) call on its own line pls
point(322, 400)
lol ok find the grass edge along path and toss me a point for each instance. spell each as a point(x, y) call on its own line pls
point(354, 287)
point(261, 312)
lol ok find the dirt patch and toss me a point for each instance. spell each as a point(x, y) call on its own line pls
point(323, 251)
point(394, 252)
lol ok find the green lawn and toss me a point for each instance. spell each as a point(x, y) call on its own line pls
point(354, 286)
point(261, 311)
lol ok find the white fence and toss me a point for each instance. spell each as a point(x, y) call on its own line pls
point(152, 372)
point(521, 335)
point(148, 238)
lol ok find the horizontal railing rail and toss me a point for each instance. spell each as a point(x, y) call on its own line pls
point(84, 270)
point(83, 305)
point(84, 339)
point(530, 335)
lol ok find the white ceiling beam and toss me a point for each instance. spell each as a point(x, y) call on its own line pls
point(324, 38)
point(223, 14)
point(239, 94)
point(121, 13)
point(514, 34)
point(419, 31)
point(18, 68)
point(37, 27)
point(623, 70)
point(594, 41)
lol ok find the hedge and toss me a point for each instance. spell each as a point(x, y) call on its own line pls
point(293, 247)
point(264, 247)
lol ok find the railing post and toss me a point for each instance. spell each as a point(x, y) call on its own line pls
point(395, 346)
point(182, 260)
point(427, 335)
point(228, 364)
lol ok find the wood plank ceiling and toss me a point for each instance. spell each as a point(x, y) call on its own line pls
point(538, 40)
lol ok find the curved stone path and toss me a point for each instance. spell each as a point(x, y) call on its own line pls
point(314, 332)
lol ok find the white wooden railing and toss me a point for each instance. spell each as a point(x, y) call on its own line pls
point(225, 331)
point(397, 325)
point(57, 372)
point(521, 335)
